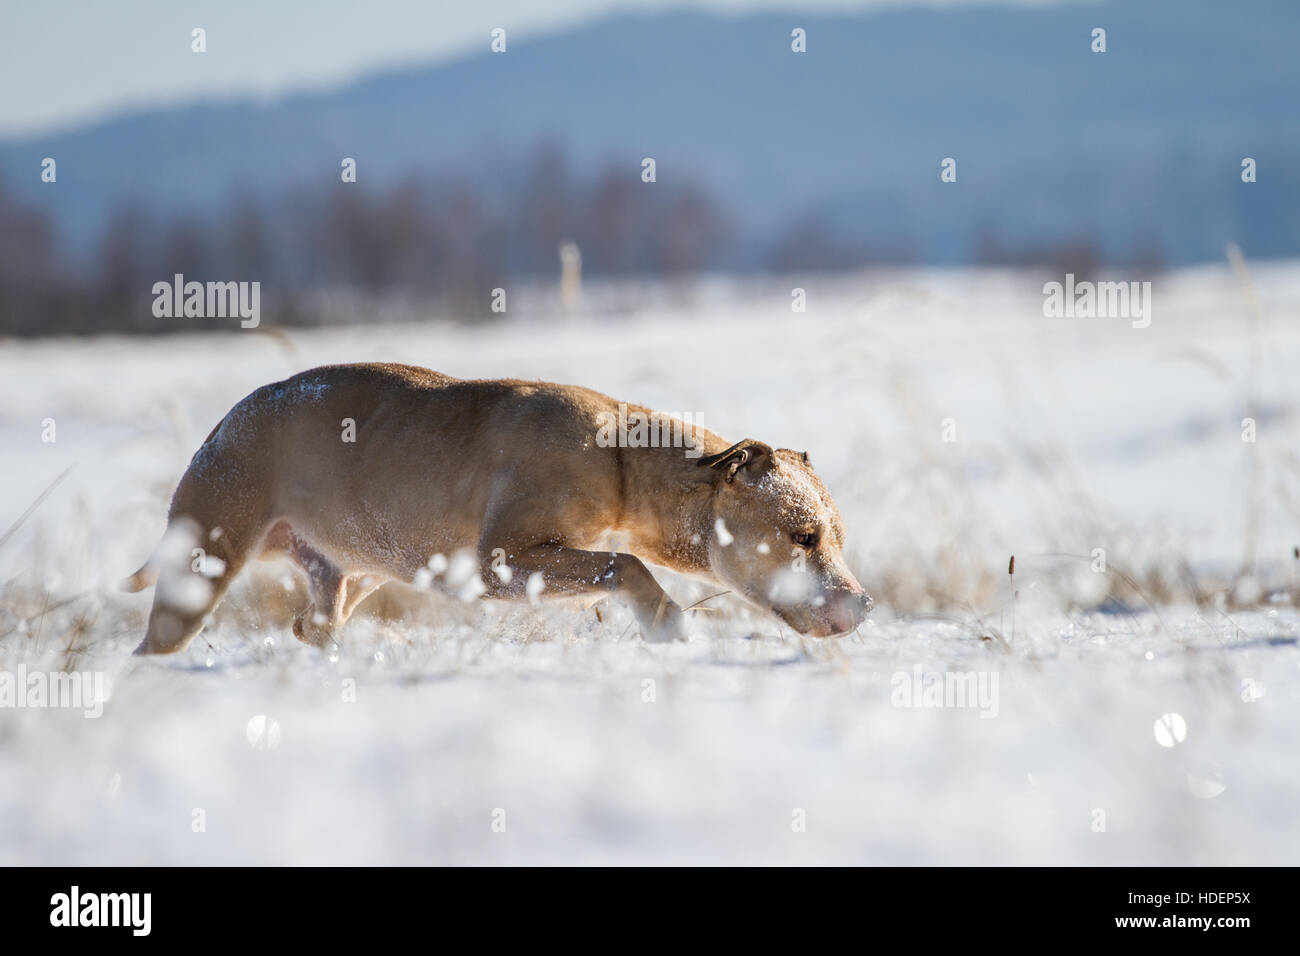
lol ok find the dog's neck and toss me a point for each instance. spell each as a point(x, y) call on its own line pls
point(668, 505)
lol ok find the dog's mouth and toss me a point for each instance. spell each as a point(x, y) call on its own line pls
point(836, 616)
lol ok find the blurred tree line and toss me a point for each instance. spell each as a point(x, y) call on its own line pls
point(443, 241)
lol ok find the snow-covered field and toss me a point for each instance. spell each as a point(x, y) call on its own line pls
point(1110, 723)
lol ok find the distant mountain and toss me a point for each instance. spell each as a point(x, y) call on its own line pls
point(1142, 143)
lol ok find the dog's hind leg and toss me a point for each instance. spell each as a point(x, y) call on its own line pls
point(360, 587)
point(327, 586)
point(218, 518)
point(200, 556)
point(334, 596)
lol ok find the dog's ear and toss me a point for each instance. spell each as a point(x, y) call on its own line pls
point(748, 458)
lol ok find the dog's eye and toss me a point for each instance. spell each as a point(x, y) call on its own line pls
point(805, 539)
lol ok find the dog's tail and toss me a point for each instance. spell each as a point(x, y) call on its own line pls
point(147, 576)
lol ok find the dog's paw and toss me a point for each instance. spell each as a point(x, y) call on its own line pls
point(311, 628)
point(668, 625)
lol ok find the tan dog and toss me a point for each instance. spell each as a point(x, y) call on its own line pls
point(362, 474)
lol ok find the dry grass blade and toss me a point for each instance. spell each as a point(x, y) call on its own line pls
point(34, 505)
point(703, 599)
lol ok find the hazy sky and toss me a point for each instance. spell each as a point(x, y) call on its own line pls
point(63, 62)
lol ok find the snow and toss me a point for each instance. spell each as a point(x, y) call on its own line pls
point(1129, 733)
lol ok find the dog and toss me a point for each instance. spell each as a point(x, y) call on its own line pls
point(364, 474)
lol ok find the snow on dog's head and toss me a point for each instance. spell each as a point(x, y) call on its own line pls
point(777, 538)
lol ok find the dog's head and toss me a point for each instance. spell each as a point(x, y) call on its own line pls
point(777, 538)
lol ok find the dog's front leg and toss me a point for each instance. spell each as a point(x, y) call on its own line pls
point(570, 571)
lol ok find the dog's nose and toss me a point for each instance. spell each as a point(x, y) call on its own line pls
point(849, 610)
point(864, 599)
